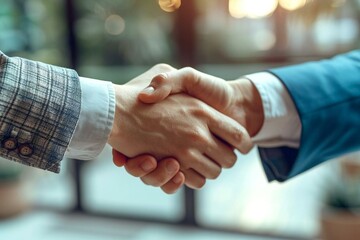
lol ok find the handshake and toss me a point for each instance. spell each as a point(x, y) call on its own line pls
point(175, 127)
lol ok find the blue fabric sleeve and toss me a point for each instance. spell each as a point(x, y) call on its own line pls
point(327, 97)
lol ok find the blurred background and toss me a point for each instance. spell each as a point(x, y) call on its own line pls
point(117, 40)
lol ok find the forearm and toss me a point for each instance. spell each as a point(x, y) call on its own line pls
point(327, 97)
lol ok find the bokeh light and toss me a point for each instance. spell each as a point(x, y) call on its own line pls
point(252, 8)
point(114, 24)
point(264, 39)
point(169, 5)
point(292, 5)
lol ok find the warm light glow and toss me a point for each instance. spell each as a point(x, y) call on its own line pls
point(252, 8)
point(264, 39)
point(169, 5)
point(236, 9)
point(292, 5)
point(114, 24)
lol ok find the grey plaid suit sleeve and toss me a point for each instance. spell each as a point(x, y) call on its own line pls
point(39, 109)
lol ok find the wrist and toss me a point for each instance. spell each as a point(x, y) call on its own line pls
point(127, 125)
point(249, 100)
point(119, 104)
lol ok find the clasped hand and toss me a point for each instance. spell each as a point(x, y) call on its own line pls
point(195, 133)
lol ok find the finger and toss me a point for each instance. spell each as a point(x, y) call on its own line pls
point(201, 164)
point(164, 84)
point(230, 131)
point(166, 170)
point(193, 179)
point(119, 159)
point(174, 184)
point(205, 87)
point(159, 88)
point(141, 165)
point(221, 153)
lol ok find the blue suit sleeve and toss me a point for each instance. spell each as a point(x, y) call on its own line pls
point(327, 97)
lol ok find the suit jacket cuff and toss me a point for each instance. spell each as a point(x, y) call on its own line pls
point(40, 107)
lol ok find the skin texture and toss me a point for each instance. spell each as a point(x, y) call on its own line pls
point(237, 99)
point(198, 136)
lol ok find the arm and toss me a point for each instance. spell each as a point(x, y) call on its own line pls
point(219, 85)
point(39, 119)
point(324, 91)
point(327, 97)
point(179, 127)
point(40, 106)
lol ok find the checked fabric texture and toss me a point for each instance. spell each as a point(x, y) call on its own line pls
point(39, 109)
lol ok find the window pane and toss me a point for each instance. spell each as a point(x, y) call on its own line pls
point(118, 40)
point(116, 33)
point(35, 29)
point(109, 189)
point(54, 190)
point(225, 35)
point(242, 199)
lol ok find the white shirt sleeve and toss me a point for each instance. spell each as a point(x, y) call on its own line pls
point(282, 126)
point(95, 121)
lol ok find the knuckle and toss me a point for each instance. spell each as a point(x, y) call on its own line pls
point(189, 70)
point(186, 159)
point(192, 75)
point(159, 80)
point(238, 135)
point(200, 111)
point(164, 67)
point(196, 136)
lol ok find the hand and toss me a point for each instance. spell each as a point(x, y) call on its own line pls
point(166, 174)
point(237, 99)
point(146, 167)
point(178, 126)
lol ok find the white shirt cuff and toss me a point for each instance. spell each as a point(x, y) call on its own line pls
point(95, 121)
point(282, 126)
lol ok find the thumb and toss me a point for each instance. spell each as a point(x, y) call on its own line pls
point(161, 86)
point(119, 159)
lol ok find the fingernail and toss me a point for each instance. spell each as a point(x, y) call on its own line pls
point(171, 167)
point(147, 166)
point(177, 179)
point(149, 90)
